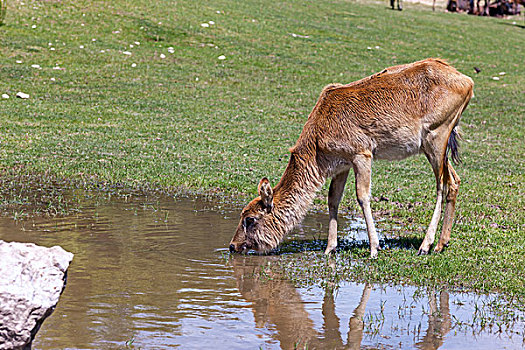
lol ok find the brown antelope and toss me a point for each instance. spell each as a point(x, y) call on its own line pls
point(402, 111)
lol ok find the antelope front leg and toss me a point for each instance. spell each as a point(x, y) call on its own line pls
point(363, 173)
point(335, 193)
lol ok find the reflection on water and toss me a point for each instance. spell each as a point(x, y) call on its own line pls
point(357, 316)
point(155, 274)
point(278, 304)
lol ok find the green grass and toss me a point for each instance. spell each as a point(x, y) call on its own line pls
point(192, 121)
point(3, 7)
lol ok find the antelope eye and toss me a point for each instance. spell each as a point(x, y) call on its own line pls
point(249, 221)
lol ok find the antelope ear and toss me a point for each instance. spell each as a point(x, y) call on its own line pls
point(266, 193)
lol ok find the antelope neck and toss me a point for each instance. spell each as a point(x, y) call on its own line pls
point(296, 190)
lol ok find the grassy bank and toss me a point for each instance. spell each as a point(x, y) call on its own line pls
point(210, 96)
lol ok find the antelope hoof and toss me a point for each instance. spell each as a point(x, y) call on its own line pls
point(330, 249)
point(373, 254)
point(439, 247)
point(422, 252)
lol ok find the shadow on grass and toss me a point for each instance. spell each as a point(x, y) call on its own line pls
point(522, 26)
point(297, 246)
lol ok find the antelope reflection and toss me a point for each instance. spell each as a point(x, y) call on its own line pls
point(439, 322)
point(277, 305)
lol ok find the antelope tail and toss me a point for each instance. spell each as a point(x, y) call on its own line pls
point(453, 146)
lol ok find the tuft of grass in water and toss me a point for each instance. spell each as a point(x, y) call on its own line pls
point(129, 97)
point(129, 343)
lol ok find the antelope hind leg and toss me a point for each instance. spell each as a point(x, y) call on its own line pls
point(453, 182)
point(432, 228)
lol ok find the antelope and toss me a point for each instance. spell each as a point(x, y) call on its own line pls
point(402, 111)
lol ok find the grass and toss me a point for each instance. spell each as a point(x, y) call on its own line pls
point(134, 95)
point(3, 8)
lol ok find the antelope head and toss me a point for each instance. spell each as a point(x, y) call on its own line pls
point(258, 228)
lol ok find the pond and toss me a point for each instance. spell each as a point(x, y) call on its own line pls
point(156, 274)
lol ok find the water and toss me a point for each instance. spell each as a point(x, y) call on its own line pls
point(157, 275)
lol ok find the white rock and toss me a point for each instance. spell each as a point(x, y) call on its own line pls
point(299, 36)
point(5, 96)
point(211, 23)
point(133, 65)
point(31, 281)
point(205, 25)
point(495, 78)
point(37, 66)
point(162, 55)
point(127, 53)
point(221, 57)
point(22, 95)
